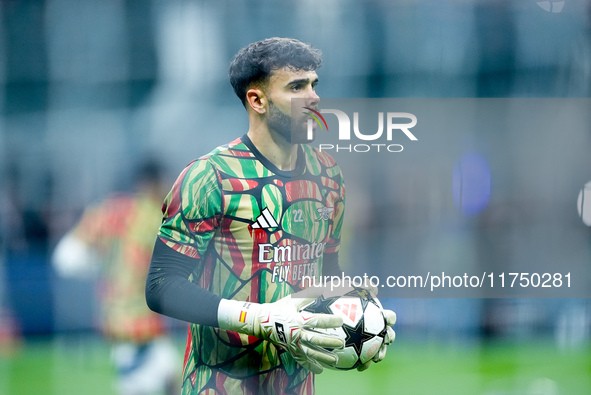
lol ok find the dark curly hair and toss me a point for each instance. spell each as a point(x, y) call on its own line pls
point(254, 63)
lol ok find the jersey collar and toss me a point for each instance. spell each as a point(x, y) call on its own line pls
point(297, 171)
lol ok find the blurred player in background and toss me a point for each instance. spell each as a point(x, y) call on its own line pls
point(116, 238)
point(242, 226)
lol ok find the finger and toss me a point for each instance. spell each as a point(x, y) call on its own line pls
point(312, 366)
point(324, 321)
point(322, 340)
point(390, 336)
point(320, 356)
point(381, 354)
point(390, 317)
point(364, 366)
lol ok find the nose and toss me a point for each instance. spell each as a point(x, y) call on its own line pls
point(313, 98)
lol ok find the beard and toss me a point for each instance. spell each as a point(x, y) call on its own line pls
point(281, 123)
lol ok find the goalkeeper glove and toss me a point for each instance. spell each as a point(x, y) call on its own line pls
point(390, 318)
point(283, 324)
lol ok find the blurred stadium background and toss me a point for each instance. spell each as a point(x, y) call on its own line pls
point(89, 88)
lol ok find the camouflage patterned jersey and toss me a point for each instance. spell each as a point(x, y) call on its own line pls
point(256, 232)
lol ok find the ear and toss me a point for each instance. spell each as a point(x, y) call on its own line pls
point(257, 100)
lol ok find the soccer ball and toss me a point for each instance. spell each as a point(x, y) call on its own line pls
point(363, 329)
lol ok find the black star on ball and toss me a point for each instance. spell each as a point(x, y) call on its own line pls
point(356, 336)
point(321, 305)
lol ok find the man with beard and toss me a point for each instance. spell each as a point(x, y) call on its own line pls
point(240, 228)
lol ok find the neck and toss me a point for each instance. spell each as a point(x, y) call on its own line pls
point(275, 148)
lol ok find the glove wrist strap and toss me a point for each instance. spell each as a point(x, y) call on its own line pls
point(238, 316)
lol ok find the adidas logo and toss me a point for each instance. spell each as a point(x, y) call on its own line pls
point(265, 220)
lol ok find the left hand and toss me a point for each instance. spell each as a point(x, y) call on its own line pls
point(390, 318)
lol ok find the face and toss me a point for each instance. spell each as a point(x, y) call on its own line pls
point(285, 85)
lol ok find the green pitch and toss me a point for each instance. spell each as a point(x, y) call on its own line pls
point(493, 368)
point(65, 365)
point(80, 365)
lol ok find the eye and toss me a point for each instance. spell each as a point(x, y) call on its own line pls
point(296, 88)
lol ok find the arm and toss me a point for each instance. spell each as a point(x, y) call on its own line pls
point(77, 254)
point(73, 258)
point(191, 213)
point(169, 292)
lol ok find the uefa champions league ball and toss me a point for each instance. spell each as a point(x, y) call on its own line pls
point(363, 329)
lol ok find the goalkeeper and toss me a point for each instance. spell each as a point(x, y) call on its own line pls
point(241, 226)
